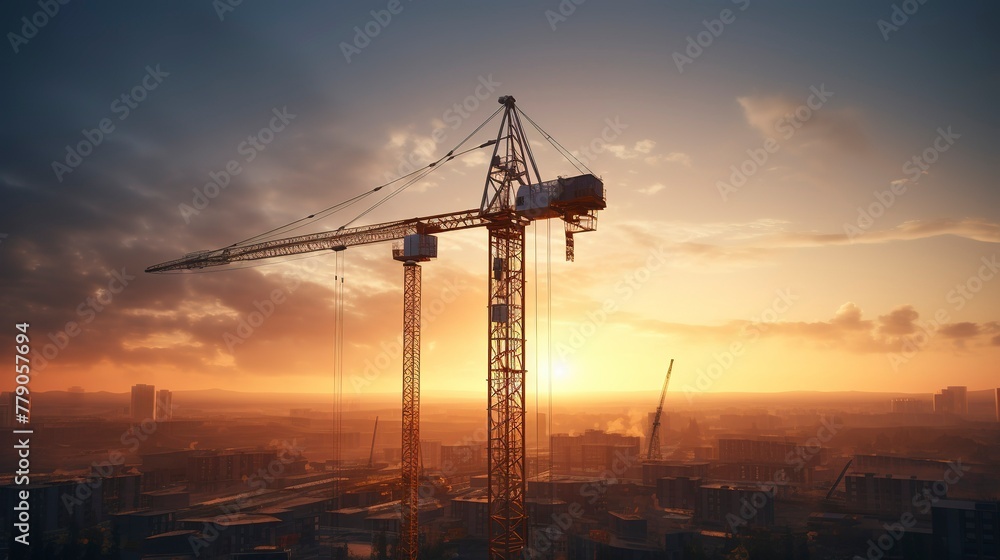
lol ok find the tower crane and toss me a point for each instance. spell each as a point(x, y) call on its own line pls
point(513, 197)
point(653, 453)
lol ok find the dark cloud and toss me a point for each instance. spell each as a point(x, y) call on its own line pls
point(959, 330)
point(899, 321)
point(846, 331)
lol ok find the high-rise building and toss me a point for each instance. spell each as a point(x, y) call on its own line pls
point(143, 402)
point(998, 405)
point(164, 405)
point(952, 400)
point(959, 399)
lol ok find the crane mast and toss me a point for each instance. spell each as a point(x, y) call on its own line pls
point(410, 537)
point(509, 170)
point(513, 197)
point(653, 453)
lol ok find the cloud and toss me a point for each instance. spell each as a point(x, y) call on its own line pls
point(969, 228)
point(847, 330)
point(960, 332)
point(798, 127)
point(898, 322)
point(678, 157)
point(652, 189)
point(644, 149)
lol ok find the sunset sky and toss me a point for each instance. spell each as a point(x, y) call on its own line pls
point(835, 261)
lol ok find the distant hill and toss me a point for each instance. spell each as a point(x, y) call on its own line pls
point(208, 396)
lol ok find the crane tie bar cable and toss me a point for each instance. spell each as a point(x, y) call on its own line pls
point(416, 176)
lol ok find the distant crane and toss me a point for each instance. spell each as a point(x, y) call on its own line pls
point(513, 197)
point(371, 453)
point(839, 478)
point(653, 453)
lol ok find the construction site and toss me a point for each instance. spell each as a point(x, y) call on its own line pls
point(566, 280)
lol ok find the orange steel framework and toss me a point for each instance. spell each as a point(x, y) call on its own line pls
point(511, 168)
point(410, 538)
point(507, 527)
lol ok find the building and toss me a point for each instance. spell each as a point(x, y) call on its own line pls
point(765, 460)
point(654, 471)
point(734, 507)
point(143, 402)
point(952, 400)
point(161, 469)
point(966, 529)
point(212, 470)
point(593, 452)
point(463, 458)
point(756, 451)
point(600, 544)
point(910, 406)
point(763, 472)
point(164, 405)
point(232, 533)
point(998, 404)
point(678, 492)
point(473, 513)
point(57, 503)
point(890, 496)
point(430, 453)
point(902, 467)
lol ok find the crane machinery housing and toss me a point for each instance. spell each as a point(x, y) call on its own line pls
point(513, 197)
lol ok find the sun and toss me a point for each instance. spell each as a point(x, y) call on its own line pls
point(560, 371)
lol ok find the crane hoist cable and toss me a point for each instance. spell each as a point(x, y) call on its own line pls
point(281, 230)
